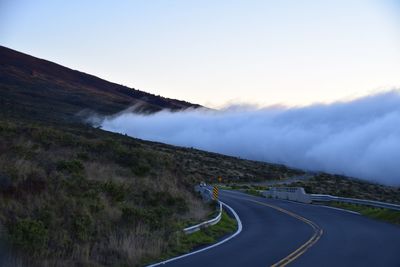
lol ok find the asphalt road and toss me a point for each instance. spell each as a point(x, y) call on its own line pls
point(278, 231)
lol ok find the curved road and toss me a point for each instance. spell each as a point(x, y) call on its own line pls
point(282, 232)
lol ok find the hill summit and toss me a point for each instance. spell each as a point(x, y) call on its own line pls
point(44, 90)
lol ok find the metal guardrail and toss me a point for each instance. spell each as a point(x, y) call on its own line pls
point(298, 194)
point(239, 229)
point(207, 196)
point(205, 193)
point(199, 226)
point(373, 203)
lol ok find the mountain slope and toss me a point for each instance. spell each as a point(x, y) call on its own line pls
point(74, 195)
point(42, 90)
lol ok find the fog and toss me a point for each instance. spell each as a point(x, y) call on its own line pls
point(359, 138)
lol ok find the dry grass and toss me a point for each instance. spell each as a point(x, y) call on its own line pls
point(104, 171)
point(91, 200)
point(83, 193)
point(137, 244)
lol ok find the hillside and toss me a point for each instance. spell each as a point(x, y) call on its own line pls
point(78, 195)
point(74, 195)
point(42, 90)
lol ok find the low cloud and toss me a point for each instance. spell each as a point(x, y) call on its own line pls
point(359, 138)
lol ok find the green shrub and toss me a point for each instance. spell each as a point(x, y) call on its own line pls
point(166, 199)
point(83, 155)
point(253, 192)
point(141, 170)
point(154, 217)
point(71, 166)
point(130, 214)
point(30, 235)
point(116, 191)
point(126, 157)
point(82, 226)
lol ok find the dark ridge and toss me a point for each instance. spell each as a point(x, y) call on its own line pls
point(43, 90)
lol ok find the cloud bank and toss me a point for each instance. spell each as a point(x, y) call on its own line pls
point(360, 138)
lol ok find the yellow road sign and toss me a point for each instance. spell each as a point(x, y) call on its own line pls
point(215, 193)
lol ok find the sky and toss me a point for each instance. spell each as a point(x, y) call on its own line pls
point(216, 53)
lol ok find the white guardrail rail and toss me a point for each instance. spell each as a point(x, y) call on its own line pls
point(299, 195)
point(207, 197)
point(373, 203)
point(199, 226)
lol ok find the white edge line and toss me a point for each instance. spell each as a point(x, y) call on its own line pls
point(334, 208)
point(239, 223)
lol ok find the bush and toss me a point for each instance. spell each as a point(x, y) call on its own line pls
point(154, 217)
point(83, 155)
point(141, 170)
point(30, 235)
point(166, 200)
point(72, 166)
point(130, 214)
point(82, 226)
point(117, 192)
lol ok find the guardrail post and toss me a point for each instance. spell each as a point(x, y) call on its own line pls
point(205, 192)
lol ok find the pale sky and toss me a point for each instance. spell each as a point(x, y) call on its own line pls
point(218, 52)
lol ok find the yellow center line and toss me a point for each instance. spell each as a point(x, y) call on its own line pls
point(304, 247)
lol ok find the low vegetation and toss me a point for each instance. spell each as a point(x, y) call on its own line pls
point(185, 243)
point(209, 235)
point(72, 194)
point(250, 189)
point(338, 185)
point(387, 215)
point(76, 196)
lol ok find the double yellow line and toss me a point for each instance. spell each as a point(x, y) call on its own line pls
point(303, 248)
